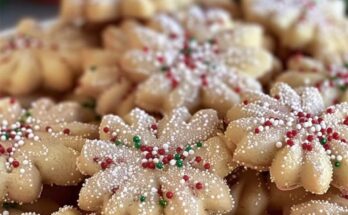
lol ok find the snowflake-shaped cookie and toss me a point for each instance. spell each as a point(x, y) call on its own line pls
point(33, 58)
point(40, 146)
point(94, 11)
point(192, 73)
point(331, 81)
point(144, 166)
point(292, 134)
point(318, 27)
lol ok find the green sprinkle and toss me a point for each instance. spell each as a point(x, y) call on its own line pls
point(323, 141)
point(199, 144)
point(118, 142)
point(346, 65)
point(27, 114)
point(163, 203)
point(136, 139)
point(188, 148)
point(337, 164)
point(177, 156)
point(137, 145)
point(159, 165)
point(179, 163)
point(343, 87)
point(142, 198)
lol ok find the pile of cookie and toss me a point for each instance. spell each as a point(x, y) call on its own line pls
point(176, 107)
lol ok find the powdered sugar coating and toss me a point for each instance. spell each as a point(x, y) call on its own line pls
point(317, 207)
point(193, 71)
point(39, 145)
point(149, 167)
point(331, 80)
point(292, 134)
point(317, 27)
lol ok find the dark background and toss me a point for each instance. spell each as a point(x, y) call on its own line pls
point(11, 11)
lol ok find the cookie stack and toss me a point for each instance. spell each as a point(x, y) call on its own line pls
point(176, 107)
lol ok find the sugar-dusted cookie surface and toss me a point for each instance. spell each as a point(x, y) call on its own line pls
point(144, 166)
point(66, 210)
point(209, 69)
point(40, 146)
point(292, 134)
point(92, 11)
point(317, 27)
point(331, 80)
point(34, 58)
point(318, 207)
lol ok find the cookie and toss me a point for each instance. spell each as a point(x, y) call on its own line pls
point(103, 81)
point(40, 146)
point(66, 210)
point(293, 135)
point(48, 59)
point(187, 72)
point(92, 11)
point(331, 80)
point(316, 27)
point(286, 200)
point(250, 191)
point(318, 207)
point(169, 166)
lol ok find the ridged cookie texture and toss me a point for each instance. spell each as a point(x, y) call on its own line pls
point(143, 166)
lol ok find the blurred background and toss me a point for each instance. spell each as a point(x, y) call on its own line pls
point(12, 10)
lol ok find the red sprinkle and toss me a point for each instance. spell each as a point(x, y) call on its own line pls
point(290, 142)
point(186, 177)
point(154, 127)
point(169, 195)
point(104, 165)
point(329, 111)
point(161, 151)
point(15, 164)
point(198, 159)
point(106, 129)
point(257, 130)
point(66, 131)
point(199, 185)
point(207, 166)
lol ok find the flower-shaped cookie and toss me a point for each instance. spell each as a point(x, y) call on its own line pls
point(192, 73)
point(294, 135)
point(318, 27)
point(40, 146)
point(331, 81)
point(144, 166)
point(94, 11)
point(33, 58)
